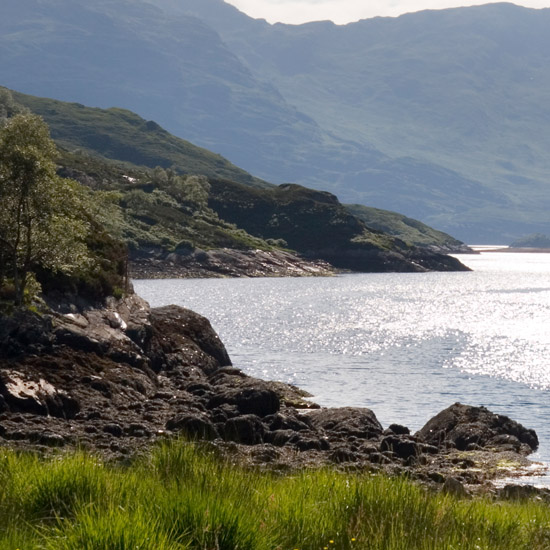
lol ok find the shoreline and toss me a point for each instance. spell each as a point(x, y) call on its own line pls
point(118, 380)
point(229, 263)
point(508, 249)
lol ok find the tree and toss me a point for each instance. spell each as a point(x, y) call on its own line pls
point(41, 219)
point(189, 189)
point(8, 106)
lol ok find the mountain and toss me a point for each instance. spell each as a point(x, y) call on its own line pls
point(175, 70)
point(458, 99)
point(536, 241)
point(441, 115)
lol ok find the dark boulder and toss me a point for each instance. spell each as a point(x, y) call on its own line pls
point(183, 337)
point(223, 412)
point(289, 420)
point(261, 402)
point(25, 333)
point(249, 400)
point(402, 446)
point(247, 429)
point(398, 429)
point(347, 422)
point(466, 427)
point(311, 443)
point(506, 442)
point(194, 426)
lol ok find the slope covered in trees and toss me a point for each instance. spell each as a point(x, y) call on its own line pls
point(122, 136)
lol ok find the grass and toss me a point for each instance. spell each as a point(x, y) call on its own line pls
point(184, 497)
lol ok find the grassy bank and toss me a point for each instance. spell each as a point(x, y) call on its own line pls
point(183, 497)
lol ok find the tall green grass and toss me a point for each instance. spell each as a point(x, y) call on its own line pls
point(185, 497)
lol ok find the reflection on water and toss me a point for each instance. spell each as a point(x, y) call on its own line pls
point(405, 345)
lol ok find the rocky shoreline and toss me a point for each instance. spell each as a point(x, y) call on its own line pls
point(226, 262)
point(118, 379)
point(229, 262)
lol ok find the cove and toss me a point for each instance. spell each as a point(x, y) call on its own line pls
point(404, 345)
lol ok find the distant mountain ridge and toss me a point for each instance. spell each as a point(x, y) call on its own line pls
point(440, 115)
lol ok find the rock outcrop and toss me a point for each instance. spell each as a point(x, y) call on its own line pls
point(469, 428)
point(117, 379)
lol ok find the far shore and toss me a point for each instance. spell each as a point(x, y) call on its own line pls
point(510, 249)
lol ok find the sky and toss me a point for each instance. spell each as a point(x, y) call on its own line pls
point(346, 11)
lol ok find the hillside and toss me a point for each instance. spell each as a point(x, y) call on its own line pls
point(441, 115)
point(121, 135)
point(135, 144)
point(315, 224)
point(535, 241)
point(171, 217)
point(173, 69)
point(456, 100)
point(407, 229)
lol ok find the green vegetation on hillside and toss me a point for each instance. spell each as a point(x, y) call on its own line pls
point(317, 225)
point(118, 158)
point(405, 228)
point(150, 188)
point(47, 234)
point(306, 219)
point(183, 497)
point(157, 210)
point(98, 136)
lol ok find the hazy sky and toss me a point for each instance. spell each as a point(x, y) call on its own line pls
point(344, 11)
